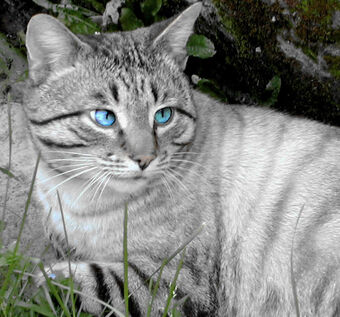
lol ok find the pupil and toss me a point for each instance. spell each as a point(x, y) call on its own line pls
point(162, 111)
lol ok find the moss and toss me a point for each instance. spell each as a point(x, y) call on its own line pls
point(314, 26)
point(333, 63)
point(255, 26)
point(251, 31)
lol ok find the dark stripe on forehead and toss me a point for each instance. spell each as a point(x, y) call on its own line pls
point(63, 116)
point(154, 91)
point(98, 95)
point(142, 84)
point(124, 80)
point(114, 90)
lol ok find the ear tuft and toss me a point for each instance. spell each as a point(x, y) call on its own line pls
point(175, 36)
point(50, 46)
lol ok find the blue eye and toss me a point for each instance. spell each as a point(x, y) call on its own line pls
point(103, 117)
point(163, 115)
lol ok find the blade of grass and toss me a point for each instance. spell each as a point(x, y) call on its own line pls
point(64, 287)
point(32, 270)
point(181, 248)
point(54, 291)
point(3, 216)
point(177, 304)
point(125, 252)
point(167, 260)
point(28, 201)
point(175, 253)
point(155, 290)
point(68, 256)
point(12, 296)
point(173, 285)
point(37, 309)
point(49, 299)
point(294, 289)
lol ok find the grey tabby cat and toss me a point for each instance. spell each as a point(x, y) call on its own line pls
point(116, 122)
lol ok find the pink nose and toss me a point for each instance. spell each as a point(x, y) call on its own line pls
point(144, 160)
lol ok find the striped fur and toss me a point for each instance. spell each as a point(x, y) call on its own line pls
point(245, 172)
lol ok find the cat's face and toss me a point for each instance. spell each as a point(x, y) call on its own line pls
point(116, 111)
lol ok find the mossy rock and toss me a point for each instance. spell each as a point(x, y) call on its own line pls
point(296, 41)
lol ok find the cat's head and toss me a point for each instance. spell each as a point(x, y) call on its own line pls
point(110, 108)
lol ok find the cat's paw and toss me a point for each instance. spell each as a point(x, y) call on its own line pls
point(82, 279)
point(60, 270)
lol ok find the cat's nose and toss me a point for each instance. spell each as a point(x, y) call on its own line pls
point(144, 160)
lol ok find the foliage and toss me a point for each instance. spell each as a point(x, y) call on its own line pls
point(210, 88)
point(200, 46)
point(7, 172)
point(129, 21)
point(273, 89)
point(151, 7)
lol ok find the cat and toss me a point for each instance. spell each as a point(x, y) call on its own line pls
point(118, 124)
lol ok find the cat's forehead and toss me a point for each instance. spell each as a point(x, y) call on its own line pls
point(122, 50)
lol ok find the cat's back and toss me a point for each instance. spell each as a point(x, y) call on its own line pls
point(279, 179)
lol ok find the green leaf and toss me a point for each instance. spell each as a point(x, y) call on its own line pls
point(210, 88)
point(129, 21)
point(200, 46)
point(96, 5)
point(151, 7)
point(273, 87)
point(3, 261)
point(77, 23)
point(7, 172)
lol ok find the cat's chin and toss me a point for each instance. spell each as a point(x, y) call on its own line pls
point(129, 185)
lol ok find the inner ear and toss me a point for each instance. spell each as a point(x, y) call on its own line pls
point(174, 37)
point(50, 46)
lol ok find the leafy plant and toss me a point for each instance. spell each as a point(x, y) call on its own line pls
point(150, 8)
point(129, 21)
point(273, 89)
point(210, 88)
point(200, 46)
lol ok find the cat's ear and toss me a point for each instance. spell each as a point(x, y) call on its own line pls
point(175, 36)
point(51, 47)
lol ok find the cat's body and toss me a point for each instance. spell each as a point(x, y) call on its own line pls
point(245, 173)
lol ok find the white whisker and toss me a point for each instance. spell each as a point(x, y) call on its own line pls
point(60, 174)
point(167, 186)
point(187, 161)
point(68, 179)
point(69, 165)
point(189, 171)
point(88, 185)
point(103, 177)
point(67, 152)
point(173, 173)
point(102, 191)
point(85, 159)
point(189, 153)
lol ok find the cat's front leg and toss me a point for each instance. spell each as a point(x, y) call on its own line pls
point(105, 281)
point(86, 280)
